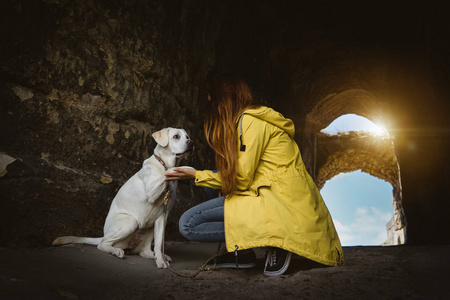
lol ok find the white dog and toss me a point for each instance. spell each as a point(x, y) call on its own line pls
point(136, 216)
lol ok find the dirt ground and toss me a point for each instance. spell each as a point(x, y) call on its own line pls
point(83, 272)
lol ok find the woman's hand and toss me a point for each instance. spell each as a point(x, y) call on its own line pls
point(181, 173)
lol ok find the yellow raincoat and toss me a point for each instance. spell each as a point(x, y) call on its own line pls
point(277, 203)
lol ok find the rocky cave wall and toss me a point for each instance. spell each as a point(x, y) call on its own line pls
point(84, 84)
point(83, 87)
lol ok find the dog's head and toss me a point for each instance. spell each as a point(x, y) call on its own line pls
point(174, 141)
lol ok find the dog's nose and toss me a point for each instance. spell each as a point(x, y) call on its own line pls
point(190, 142)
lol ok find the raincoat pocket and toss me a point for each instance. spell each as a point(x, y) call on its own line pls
point(253, 190)
point(260, 186)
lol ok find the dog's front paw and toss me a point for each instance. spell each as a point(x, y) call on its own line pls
point(161, 264)
point(168, 258)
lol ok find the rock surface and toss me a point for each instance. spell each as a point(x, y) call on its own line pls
point(83, 272)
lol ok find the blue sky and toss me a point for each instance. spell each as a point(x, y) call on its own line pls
point(359, 203)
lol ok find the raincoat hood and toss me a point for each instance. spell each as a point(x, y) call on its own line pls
point(273, 117)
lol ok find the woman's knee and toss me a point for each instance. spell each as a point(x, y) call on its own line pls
point(183, 226)
point(204, 213)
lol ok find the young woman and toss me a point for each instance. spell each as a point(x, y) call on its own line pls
point(270, 199)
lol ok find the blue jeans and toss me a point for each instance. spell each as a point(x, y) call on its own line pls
point(204, 222)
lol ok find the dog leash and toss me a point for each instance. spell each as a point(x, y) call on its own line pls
point(203, 266)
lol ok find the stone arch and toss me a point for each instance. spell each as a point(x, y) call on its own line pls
point(334, 154)
point(353, 101)
point(350, 160)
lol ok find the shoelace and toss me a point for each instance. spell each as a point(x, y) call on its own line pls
point(273, 258)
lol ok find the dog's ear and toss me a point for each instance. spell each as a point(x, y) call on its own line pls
point(162, 137)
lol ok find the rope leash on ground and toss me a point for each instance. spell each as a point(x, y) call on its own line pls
point(203, 266)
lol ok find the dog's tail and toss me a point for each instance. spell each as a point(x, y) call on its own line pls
point(76, 240)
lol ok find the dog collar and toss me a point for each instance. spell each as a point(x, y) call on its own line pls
point(161, 161)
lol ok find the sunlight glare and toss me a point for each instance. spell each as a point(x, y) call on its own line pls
point(377, 130)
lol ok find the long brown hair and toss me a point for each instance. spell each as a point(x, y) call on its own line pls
point(230, 96)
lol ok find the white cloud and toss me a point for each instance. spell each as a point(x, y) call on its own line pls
point(367, 228)
point(345, 233)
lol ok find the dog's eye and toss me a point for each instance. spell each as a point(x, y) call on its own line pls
point(176, 136)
